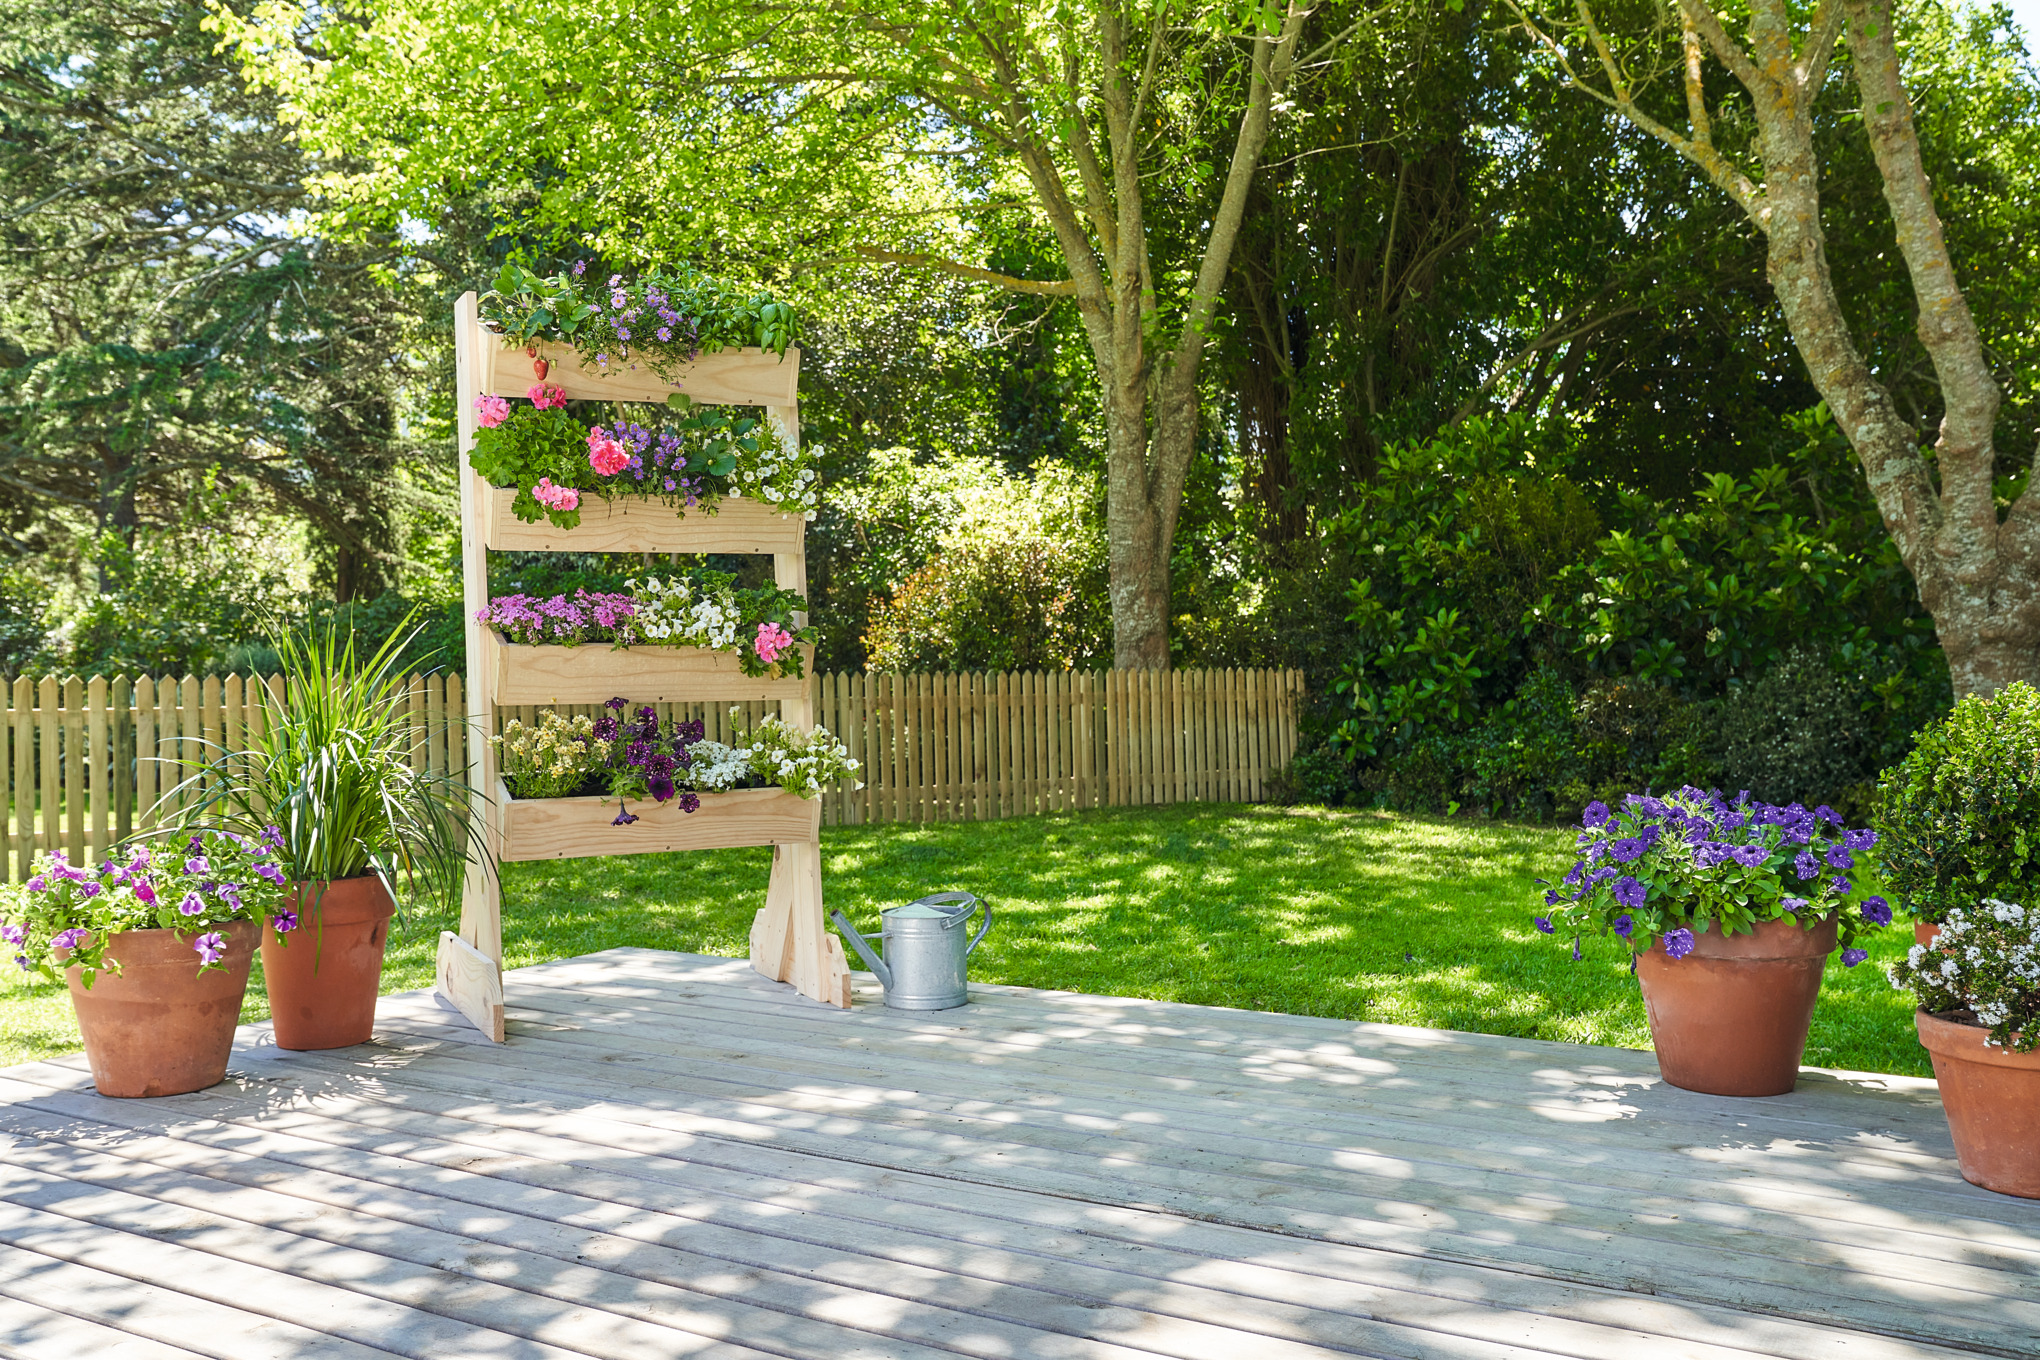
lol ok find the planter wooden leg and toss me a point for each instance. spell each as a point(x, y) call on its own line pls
point(789, 942)
point(470, 971)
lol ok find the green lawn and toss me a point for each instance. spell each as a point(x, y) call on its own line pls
point(1359, 915)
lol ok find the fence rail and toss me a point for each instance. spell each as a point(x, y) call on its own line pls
point(89, 763)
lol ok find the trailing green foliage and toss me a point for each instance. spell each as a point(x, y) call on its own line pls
point(662, 318)
point(1959, 818)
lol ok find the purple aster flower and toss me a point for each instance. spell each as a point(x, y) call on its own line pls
point(70, 939)
point(580, 268)
point(1544, 924)
point(1627, 849)
point(1792, 904)
point(689, 803)
point(1876, 911)
point(284, 922)
point(1630, 892)
point(211, 947)
point(624, 816)
point(1596, 814)
point(665, 333)
point(1852, 957)
point(1807, 865)
point(1624, 924)
point(622, 334)
point(1678, 942)
point(1838, 857)
point(192, 905)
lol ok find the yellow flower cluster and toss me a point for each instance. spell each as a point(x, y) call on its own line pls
point(553, 758)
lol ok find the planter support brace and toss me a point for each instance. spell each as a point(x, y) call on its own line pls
point(788, 940)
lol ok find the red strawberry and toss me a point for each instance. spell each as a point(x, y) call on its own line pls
point(539, 367)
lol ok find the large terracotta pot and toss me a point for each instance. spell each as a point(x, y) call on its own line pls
point(1992, 1098)
point(323, 984)
point(1730, 1018)
point(159, 1027)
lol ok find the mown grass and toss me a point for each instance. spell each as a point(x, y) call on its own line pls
point(1356, 915)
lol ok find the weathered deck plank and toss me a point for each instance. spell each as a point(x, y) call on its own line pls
point(673, 1158)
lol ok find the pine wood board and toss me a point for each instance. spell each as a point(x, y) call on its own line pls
point(730, 377)
point(570, 828)
point(632, 524)
point(594, 673)
point(649, 1105)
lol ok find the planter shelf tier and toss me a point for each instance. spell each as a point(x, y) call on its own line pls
point(788, 940)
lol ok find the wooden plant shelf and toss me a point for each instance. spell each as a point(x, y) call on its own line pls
point(595, 672)
point(571, 828)
point(731, 377)
point(789, 940)
point(632, 525)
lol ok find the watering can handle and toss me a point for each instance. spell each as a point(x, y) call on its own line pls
point(984, 928)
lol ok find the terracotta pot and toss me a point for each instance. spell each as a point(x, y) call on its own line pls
point(159, 1027)
point(1926, 932)
point(1992, 1098)
point(323, 984)
point(1730, 1018)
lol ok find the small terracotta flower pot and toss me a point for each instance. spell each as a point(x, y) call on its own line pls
point(159, 1027)
point(1992, 1098)
point(1730, 1019)
point(323, 984)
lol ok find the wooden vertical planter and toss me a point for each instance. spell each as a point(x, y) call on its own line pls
point(788, 940)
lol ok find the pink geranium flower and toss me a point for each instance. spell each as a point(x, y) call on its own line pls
point(491, 411)
point(772, 641)
point(605, 454)
point(556, 497)
point(545, 396)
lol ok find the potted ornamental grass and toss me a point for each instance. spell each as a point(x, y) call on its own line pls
point(1978, 988)
point(1730, 911)
point(155, 945)
point(330, 766)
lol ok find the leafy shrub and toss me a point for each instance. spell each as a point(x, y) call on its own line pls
point(1796, 735)
point(1959, 818)
point(1018, 603)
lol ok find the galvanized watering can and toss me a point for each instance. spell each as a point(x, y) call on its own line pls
point(923, 967)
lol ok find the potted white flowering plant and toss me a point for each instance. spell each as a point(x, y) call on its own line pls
point(1731, 910)
point(1978, 987)
point(155, 945)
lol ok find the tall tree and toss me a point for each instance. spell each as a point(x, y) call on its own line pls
point(1129, 131)
point(1978, 571)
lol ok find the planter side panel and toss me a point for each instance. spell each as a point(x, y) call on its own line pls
point(576, 828)
point(731, 377)
point(595, 673)
point(630, 525)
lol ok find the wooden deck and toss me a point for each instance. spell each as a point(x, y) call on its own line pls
point(673, 1157)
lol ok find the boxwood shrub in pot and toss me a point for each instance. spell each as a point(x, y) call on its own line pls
point(1959, 818)
point(331, 768)
point(1730, 911)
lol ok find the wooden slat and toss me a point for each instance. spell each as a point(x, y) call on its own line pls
point(554, 828)
point(25, 791)
point(99, 763)
point(738, 377)
point(631, 524)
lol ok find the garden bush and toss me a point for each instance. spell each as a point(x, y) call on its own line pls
point(1797, 736)
point(1959, 818)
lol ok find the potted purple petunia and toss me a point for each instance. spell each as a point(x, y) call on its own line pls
point(155, 945)
point(1730, 911)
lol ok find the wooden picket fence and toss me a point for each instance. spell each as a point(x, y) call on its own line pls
point(89, 763)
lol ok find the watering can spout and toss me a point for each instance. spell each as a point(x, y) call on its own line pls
point(858, 943)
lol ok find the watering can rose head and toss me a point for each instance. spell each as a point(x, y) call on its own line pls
point(1657, 869)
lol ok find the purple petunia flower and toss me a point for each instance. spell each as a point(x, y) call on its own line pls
point(145, 893)
point(1552, 897)
point(1859, 840)
point(1792, 904)
point(197, 865)
point(211, 947)
point(624, 816)
point(89, 890)
point(690, 803)
point(192, 905)
point(1630, 891)
point(1852, 957)
point(1628, 849)
point(1840, 885)
point(1596, 814)
point(284, 922)
point(38, 884)
point(1624, 924)
point(1807, 865)
point(1876, 911)
point(1838, 857)
point(230, 893)
point(1678, 942)
point(617, 704)
point(14, 934)
point(661, 787)
point(1749, 856)
point(270, 872)
point(70, 939)
point(1544, 924)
